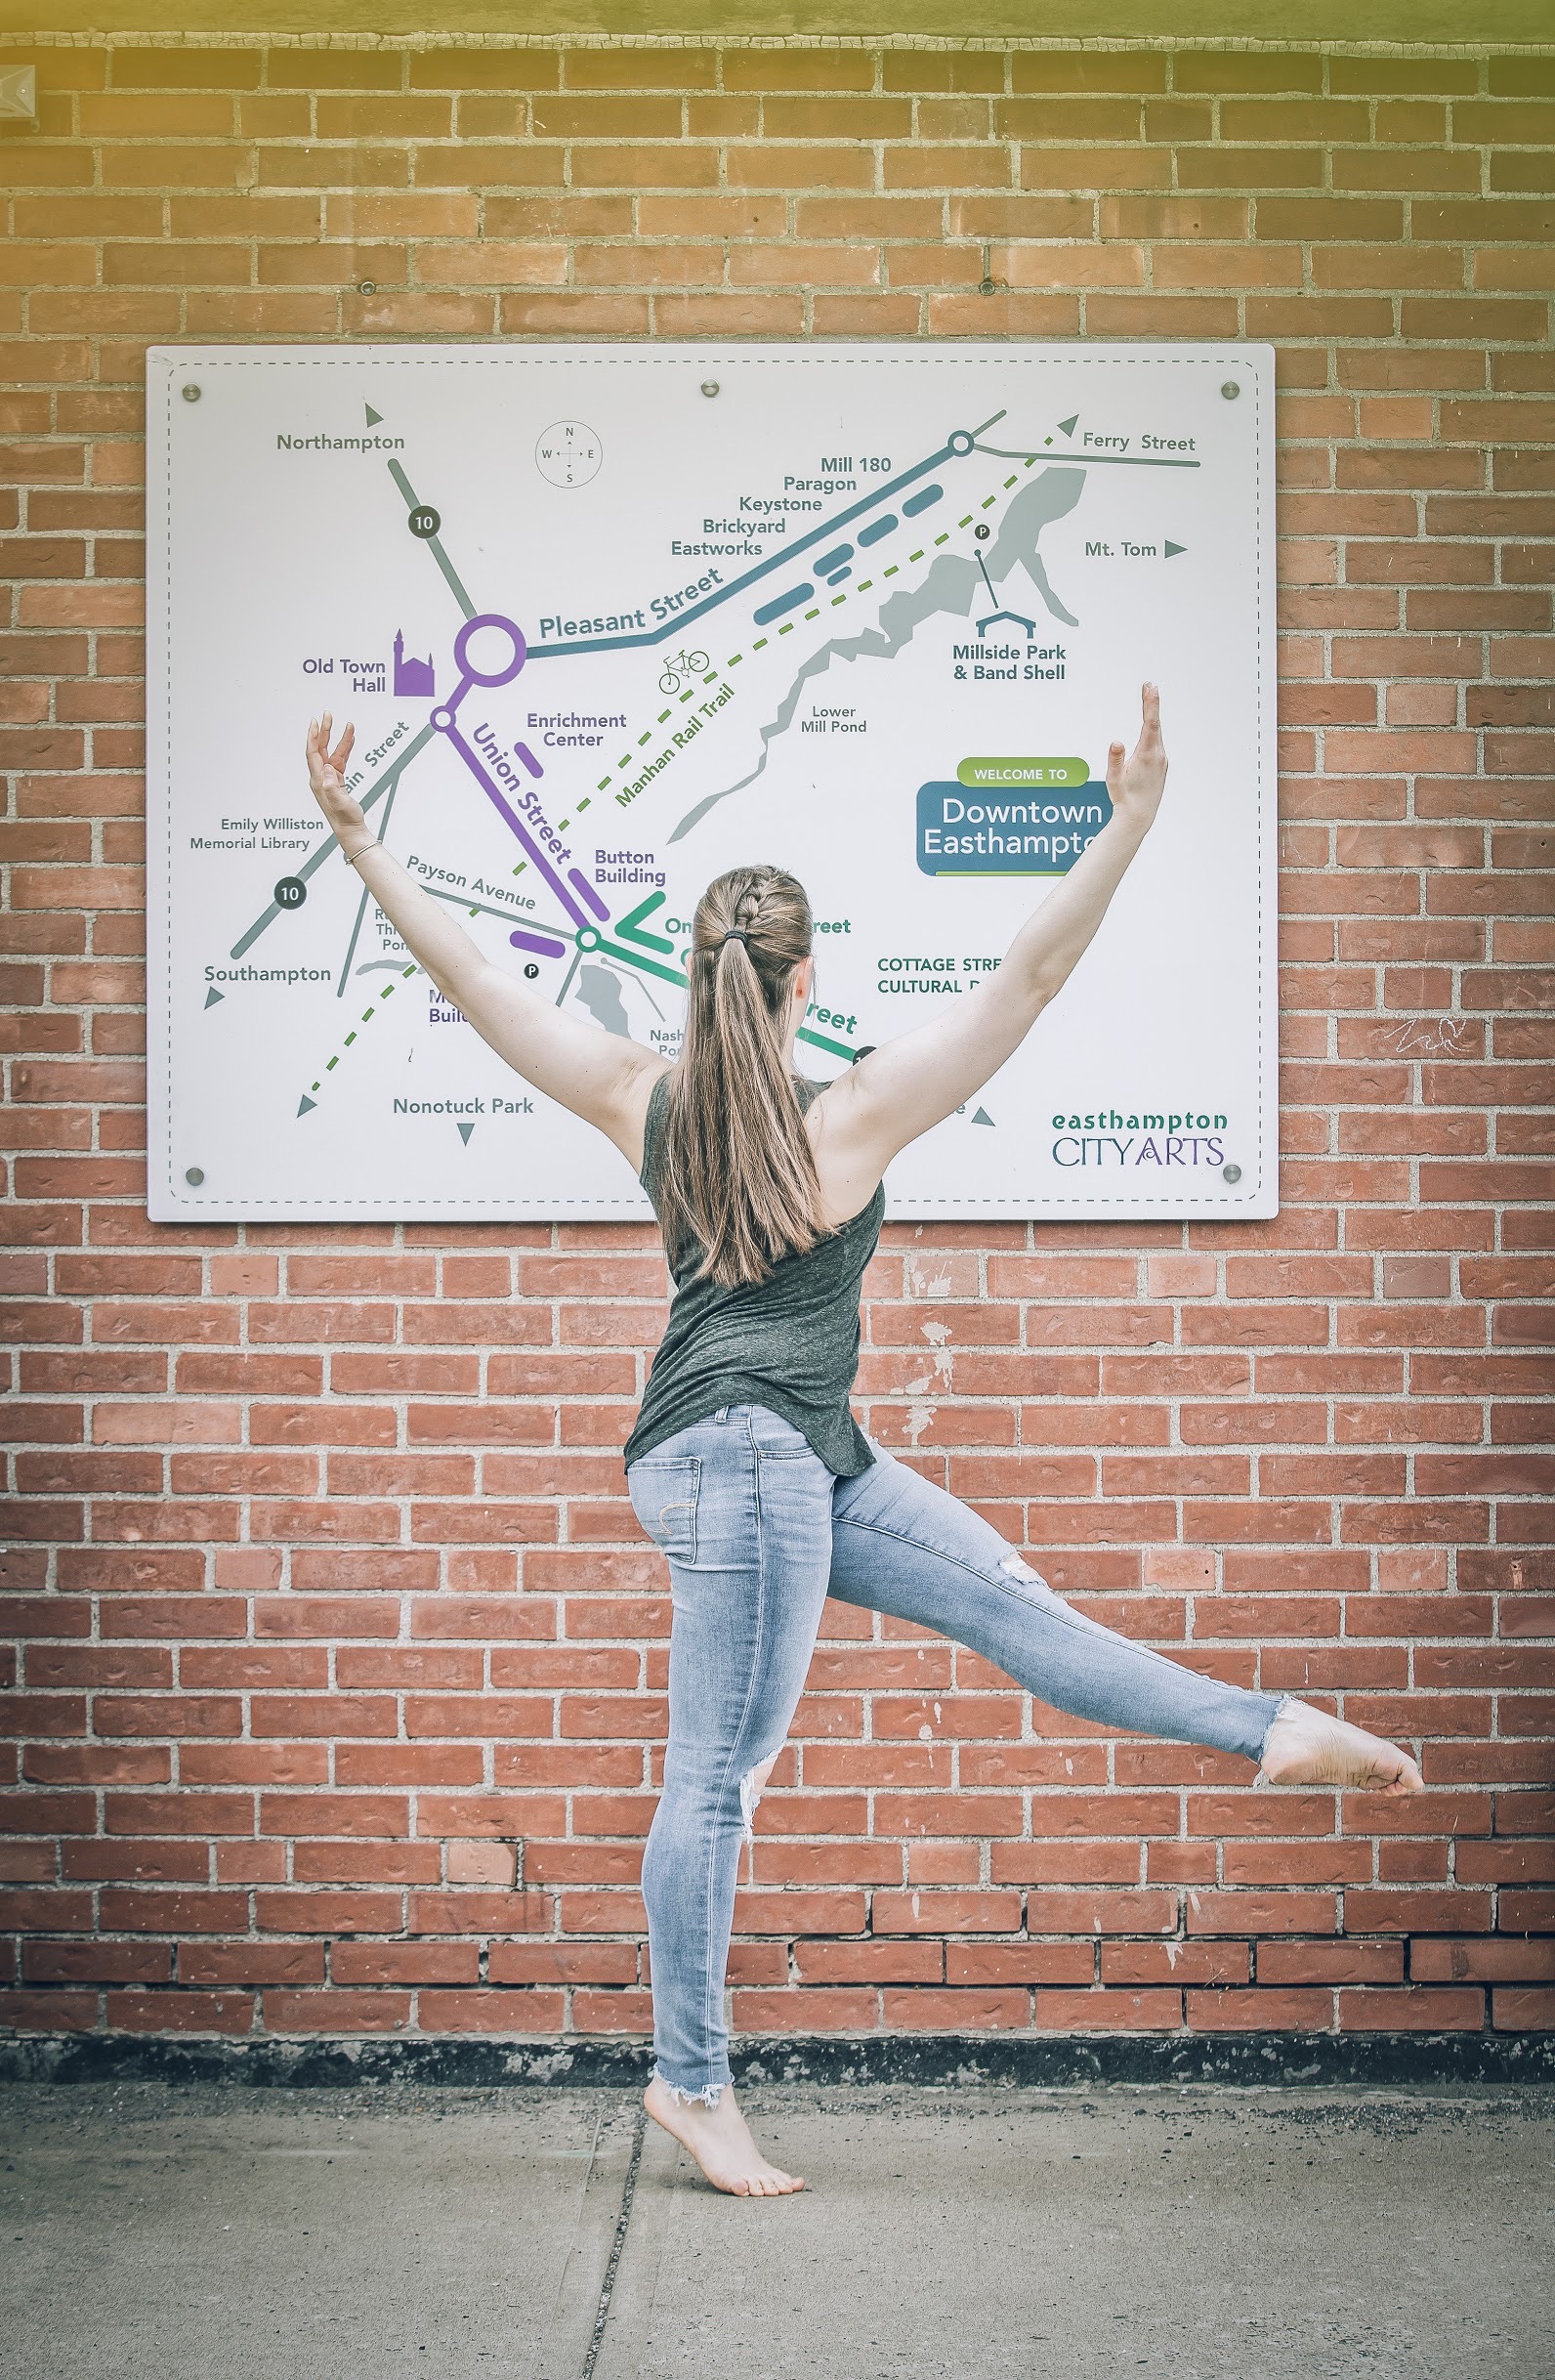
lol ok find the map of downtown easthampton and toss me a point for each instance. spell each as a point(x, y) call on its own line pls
point(610, 621)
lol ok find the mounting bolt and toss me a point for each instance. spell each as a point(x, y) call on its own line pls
point(1231, 388)
point(1231, 1173)
point(987, 284)
point(709, 387)
point(191, 392)
point(366, 288)
point(194, 1176)
point(19, 95)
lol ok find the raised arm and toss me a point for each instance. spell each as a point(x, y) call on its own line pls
point(600, 1076)
point(906, 1085)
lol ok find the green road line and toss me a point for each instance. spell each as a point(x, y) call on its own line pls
point(600, 787)
point(965, 521)
point(584, 803)
point(634, 930)
point(760, 642)
point(917, 557)
point(635, 958)
point(820, 1041)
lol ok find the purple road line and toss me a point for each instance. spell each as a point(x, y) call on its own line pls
point(523, 939)
point(532, 847)
point(588, 892)
point(528, 760)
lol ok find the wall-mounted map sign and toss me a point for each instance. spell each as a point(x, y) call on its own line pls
point(611, 619)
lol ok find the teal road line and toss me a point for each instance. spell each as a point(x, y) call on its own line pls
point(760, 569)
point(413, 505)
point(316, 859)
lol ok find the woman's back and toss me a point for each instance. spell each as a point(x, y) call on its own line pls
point(789, 1342)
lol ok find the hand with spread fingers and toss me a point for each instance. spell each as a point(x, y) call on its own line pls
point(326, 774)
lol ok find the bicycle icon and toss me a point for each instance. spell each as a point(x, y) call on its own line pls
point(678, 665)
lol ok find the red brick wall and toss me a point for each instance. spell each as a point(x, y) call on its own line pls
point(337, 1689)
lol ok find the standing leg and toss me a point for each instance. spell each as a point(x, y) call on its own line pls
point(742, 1509)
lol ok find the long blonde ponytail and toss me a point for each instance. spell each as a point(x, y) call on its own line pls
point(740, 1173)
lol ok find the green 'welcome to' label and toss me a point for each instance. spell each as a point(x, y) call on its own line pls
point(1044, 772)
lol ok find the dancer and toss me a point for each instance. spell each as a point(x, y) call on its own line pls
point(746, 1467)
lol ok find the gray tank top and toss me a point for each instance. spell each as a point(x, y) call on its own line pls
point(789, 1342)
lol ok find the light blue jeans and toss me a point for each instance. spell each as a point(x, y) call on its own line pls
point(758, 1533)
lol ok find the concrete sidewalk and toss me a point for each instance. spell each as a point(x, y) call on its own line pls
point(232, 2234)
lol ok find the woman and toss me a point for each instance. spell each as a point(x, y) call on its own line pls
point(745, 1466)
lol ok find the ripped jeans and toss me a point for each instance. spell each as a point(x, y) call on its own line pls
point(758, 1533)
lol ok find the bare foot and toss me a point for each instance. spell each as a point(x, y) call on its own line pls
point(1309, 1747)
point(719, 2139)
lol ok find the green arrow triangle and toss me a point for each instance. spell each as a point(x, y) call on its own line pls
point(306, 1106)
point(1174, 549)
point(213, 996)
point(372, 417)
point(465, 1130)
point(1068, 427)
point(631, 927)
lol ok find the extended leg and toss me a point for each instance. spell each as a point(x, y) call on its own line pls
point(902, 1546)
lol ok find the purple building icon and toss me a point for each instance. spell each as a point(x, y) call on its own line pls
point(412, 676)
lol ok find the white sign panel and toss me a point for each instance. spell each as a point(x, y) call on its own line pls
point(612, 620)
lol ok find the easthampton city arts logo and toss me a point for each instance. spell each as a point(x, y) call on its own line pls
point(1162, 1138)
